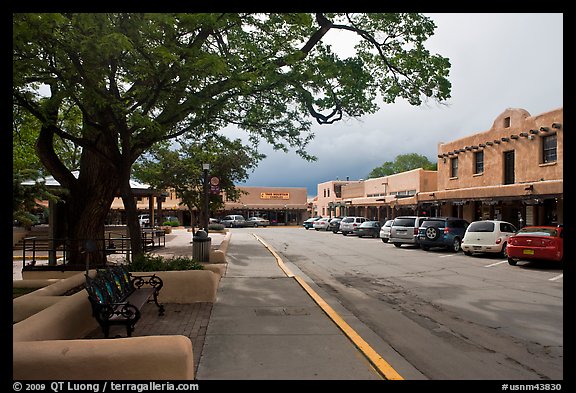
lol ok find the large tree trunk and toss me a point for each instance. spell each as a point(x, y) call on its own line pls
point(88, 203)
point(88, 207)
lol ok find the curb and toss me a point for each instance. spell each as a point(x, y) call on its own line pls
point(382, 366)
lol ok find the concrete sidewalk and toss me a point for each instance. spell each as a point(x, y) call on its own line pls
point(265, 326)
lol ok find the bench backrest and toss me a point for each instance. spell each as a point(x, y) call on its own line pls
point(110, 285)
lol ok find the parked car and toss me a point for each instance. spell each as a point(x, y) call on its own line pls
point(348, 224)
point(487, 236)
point(233, 221)
point(385, 231)
point(144, 220)
point(335, 224)
point(404, 230)
point(536, 243)
point(446, 232)
point(368, 228)
point(257, 222)
point(321, 224)
point(309, 223)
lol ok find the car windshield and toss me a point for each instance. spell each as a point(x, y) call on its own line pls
point(481, 226)
point(404, 222)
point(348, 219)
point(388, 223)
point(538, 231)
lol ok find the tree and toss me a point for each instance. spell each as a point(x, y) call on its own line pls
point(26, 166)
point(403, 163)
point(180, 168)
point(139, 79)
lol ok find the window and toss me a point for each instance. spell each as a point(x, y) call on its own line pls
point(328, 193)
point(454, 167)
point(479, 162)
point(324, 193)
point(507, 122)
point(549, 145)
point(338, 190)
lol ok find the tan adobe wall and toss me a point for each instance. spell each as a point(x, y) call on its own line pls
point(131, 358)
point(323, 201)
point(527, 148)
point(353, 190)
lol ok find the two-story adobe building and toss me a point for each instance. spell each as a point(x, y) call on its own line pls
point(512, 171)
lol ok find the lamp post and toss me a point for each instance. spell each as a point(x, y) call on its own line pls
point(206, 168)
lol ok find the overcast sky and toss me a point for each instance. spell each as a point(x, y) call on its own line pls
point(499, 61)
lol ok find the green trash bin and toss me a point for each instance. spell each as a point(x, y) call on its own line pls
point(201, 245)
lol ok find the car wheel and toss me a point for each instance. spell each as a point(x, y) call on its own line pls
point(344, 233)
point(504, 250)
point(467, 253)
point(432, 233)
point(425, 248)
point(397, 245)
point(512, 261)
point(306, 228)
point(255, 225)
point(385, 240)
point(455, 245)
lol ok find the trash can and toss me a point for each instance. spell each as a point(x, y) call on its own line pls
point(201, 245)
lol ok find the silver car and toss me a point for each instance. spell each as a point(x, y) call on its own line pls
point(257, 222)
point(404, 230)
point(233, 221)
point(348, 224)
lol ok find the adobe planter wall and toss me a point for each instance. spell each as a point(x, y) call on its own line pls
point(132, 358)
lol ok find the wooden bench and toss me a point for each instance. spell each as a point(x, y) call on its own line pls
point(117, 296)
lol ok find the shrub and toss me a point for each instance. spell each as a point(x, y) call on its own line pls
point(171, 223)
point(151, 263)
point(216, 227)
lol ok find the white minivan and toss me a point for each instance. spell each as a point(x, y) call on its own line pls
point(349, 223)
point(487, 236)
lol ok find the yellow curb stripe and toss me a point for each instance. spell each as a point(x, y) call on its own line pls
point(278, 259)
point(381, 365)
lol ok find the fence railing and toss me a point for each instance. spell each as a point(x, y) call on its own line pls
point(56, 250)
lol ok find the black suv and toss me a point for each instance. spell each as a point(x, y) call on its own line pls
point(446, 232)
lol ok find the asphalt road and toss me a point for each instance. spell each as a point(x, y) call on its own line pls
point(450, 316)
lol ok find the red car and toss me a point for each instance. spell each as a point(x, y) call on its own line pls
point(536, 243)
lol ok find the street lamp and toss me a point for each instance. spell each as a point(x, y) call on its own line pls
point(206, 168)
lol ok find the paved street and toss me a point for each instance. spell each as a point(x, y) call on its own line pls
point(449, 315)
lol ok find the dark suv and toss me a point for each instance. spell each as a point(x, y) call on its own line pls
point(446, 232)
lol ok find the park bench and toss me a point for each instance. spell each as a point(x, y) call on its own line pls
point(117, 296)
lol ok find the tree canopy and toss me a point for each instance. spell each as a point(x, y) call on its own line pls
point(138, 79)
point(403, 163)
point(179, 168)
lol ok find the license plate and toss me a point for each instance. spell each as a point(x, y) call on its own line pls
point(422, 237)
point(477, 247)
point(528, 252)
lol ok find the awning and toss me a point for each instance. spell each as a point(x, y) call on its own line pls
point(137, 187)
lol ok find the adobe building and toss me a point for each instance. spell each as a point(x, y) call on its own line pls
point(512, 172)
point(280, 205)
point(377, 198)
